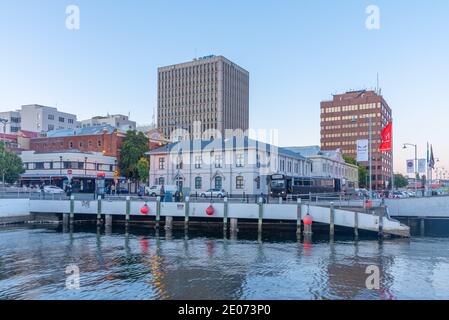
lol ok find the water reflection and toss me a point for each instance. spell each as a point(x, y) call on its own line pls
point(143, 263)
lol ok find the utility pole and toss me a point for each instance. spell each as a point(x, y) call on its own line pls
point(370, 153)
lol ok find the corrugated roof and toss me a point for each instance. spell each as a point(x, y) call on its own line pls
point(224, 144)
point(80, 131)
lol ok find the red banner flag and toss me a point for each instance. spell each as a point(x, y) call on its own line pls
point(387, 138)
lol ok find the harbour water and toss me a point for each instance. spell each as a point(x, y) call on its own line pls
point(143, 263)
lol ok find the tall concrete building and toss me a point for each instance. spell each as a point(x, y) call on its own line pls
point(206, 93)
point(345, 119)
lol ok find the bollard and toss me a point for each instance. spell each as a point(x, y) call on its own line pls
point(186, 213)
point(158, 211)
point(72, 209)
point(307, 227)
point(260, 215)
point(381, 224)
point(168, 223)
point(128, 210)
point(331, 220)
point(356, 223)
point(225, 214)
point(99, 211)
point(280, 200)
point(298, 216)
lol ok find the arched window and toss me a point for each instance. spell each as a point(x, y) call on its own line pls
point(218, 183)
point(239, 182)
point(198, 183)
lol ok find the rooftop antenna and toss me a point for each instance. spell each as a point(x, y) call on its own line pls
point(377, 84)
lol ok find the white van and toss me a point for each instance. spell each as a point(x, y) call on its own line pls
point(155, 191)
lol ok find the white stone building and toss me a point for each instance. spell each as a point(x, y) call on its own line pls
point(13, 122)
point(330, 164)
point(238, 165)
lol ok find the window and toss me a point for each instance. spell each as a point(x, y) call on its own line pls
point(71, 144)
point(70, 121)
point(179, 162)
point(218, 161)
point(99, 143)
point(161, 181)
point(51, 127)
point(198, 162)
point(161, 163)
point(51, 117)
point(258, 182)
point(198, 183)
point(218, 183)
point(61, 119)
point(239, 182)
point(240, 160)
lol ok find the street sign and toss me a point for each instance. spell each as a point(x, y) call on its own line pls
point(362, 150)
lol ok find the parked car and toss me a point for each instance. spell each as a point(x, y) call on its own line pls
point(396, 195)
point(53, 190)
point(214, 193)
point(155, 191)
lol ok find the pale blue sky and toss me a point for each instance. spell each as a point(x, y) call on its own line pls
point(297, 52)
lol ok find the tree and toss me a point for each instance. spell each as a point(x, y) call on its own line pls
point(10, 164)
point(400, 181)
point(143, 168)
point(363, 174)
point(134, 147)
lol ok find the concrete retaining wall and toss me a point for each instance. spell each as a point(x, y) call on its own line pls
point(419, 207)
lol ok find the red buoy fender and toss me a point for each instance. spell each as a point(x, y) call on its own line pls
point(308, 220)
point(210, 210)
point(145, 209)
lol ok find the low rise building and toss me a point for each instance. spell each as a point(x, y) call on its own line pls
point(330, 163)
point(239, 166)
point(56, 168)
point(118, 121)
point(103, 139)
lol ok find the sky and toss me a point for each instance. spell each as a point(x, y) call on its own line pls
point(298, 53)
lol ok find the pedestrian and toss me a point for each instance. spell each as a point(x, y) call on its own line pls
point(42, 190)
point(162, 193)
point(177, 196)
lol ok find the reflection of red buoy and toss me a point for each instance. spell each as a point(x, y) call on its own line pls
point(307, 244)
point(308, 220)
point(144, 245)
point(145, 209)
point(210, 211)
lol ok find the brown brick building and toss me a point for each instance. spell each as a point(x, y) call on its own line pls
point(105, 140)
point(345, 119)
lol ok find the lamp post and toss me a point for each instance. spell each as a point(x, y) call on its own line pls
point(4, 122)
point(416, 164)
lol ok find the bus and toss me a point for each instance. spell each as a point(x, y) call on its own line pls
point(283, 186)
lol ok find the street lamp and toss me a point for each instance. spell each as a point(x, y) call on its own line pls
point(4, 122)
point(416, 164)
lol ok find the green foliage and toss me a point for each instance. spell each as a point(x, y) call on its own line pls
point(400, 181)
point(363, 175)
point(134, 147)
point(143, 168)
point(10, 164)
point(349, 160)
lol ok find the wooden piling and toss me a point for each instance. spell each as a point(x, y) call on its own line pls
point(422, 226)
point(225, 214)
point(260, 215)
point(234, 225)
point(332, 220)
point(128, 210)
point(298, 217)
point(158, 211)
point(186, 212)
point(72, 209)
point(356, 223)
point(108, 220)
point(168, 223)
point(65, 219)
point(99, 211)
